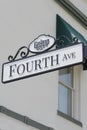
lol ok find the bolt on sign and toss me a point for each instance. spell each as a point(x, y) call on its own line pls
point(44, 61)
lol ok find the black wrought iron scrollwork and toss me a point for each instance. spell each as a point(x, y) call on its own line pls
point(64, 40)
point(61, 41)
point(75, 40)
point(23, 52)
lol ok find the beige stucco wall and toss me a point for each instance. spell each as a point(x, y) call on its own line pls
point(21, 21)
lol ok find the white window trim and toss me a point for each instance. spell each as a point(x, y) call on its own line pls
point(76, 94)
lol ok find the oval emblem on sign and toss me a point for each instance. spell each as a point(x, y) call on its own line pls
point(41, 43)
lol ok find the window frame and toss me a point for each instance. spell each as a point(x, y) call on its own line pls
point(66, 116)
point(70, 91)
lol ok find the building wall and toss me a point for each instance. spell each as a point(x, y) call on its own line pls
point(21, 21)
point(81, 5)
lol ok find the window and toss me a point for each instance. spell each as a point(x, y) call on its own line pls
point(69, 93)
point(65, 91)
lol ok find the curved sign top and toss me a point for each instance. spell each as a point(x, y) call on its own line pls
point(41, 43)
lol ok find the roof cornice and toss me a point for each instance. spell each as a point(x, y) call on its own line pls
point(74, 10)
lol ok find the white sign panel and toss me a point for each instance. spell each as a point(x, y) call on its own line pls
point(42, 63)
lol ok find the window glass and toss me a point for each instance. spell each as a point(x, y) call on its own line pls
point(65, 100)
point(65, 75)
point(65, 91)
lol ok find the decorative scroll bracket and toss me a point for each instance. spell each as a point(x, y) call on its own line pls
point(42, 43)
